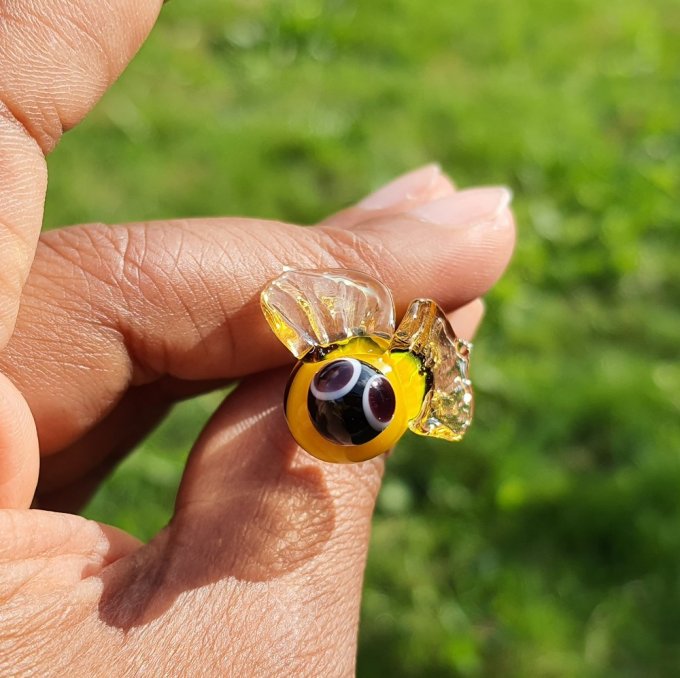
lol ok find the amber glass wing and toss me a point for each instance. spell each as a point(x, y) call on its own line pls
point(306, 309)
point(447, 407)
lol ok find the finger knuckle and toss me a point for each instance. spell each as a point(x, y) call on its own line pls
point(40, 43)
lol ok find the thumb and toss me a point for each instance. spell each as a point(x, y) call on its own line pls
point(253, 508)
point(296, 509)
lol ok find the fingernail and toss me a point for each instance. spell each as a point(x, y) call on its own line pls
point(466, 208)
point(407, 187)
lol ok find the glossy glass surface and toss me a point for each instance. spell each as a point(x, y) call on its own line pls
point(340, 324)
point(447, 408)
point(318, 308)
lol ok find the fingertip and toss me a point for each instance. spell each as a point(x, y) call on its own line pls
point(453, 261)
point(19, 450)
point(466, 319)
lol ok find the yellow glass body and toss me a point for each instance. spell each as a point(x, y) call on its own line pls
point(402, 369)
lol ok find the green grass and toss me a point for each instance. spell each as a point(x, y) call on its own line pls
point(548, 543)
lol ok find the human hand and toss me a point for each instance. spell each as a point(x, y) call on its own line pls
point(260, 570)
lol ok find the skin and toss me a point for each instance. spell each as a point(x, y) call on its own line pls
point(102, 328)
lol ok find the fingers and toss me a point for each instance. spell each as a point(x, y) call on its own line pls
point(467, 319)
point(38, 537)
point(247, 467)
point(19, 456)
point(23, 182)
point(110, 307)
point(58, 57)
point(253, 509)
point(68, 479)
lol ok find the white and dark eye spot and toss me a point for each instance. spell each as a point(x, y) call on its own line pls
point(350, 402)
point(336, 380)
point(378, 402)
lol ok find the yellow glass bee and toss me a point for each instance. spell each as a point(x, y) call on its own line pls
point(359, 383)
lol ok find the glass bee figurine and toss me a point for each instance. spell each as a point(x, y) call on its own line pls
point(359, 383)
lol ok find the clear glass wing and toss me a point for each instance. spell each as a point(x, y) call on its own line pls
point(317, 308)
point(448, 404)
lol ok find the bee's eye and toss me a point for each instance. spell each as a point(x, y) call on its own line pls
point(350, 402)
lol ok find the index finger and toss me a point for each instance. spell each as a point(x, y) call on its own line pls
point(107, 308)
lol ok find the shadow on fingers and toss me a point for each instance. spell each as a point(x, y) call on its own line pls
point(251, 508)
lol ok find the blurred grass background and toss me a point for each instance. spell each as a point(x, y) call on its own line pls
point(548, 543)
